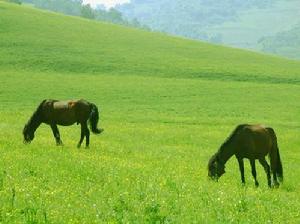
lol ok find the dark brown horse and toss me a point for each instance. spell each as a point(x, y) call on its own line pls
point(251, 142)
point(54, 112)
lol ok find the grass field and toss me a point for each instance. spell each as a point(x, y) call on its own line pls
point(166, 106)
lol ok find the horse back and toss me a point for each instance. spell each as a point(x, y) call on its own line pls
point(255, 141)
point(66, 112)
point(64, 105)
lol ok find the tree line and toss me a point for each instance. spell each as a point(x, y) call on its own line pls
point(77, 8)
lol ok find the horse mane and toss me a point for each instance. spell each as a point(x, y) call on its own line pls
point(35, 114)
point(231, 136)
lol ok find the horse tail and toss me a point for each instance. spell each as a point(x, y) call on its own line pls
point(276, 164)
point(94, 118)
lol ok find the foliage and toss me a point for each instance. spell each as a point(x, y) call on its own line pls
point(77, 8)
point(189, 18)
point(13, 1)
point(87, 12)
point(166, 106)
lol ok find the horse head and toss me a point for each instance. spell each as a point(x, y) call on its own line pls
point(215, 167)
point(28, 134)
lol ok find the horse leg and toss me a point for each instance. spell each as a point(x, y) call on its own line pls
point(266, 166)
point(56, 134)
point(82, 135)
point(253, 170)
point(241, 165)
point(87, 136)
point(273, 169)
point(276, 184)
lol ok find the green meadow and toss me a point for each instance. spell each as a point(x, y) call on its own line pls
point(166, 105)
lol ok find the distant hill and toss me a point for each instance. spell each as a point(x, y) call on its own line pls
point(37, 40)
point(285, 43)
point(237, 23)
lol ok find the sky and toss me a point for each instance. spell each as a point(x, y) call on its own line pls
point(107, 3)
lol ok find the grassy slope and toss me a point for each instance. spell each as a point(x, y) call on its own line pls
point(162, 124)
point(66, 44)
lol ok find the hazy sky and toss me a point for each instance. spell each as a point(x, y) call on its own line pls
point(107, 3)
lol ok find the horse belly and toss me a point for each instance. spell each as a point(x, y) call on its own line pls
point(262, 146)
point(65, 118)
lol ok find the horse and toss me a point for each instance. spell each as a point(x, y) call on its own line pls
point(54, 112)
point(253, 142)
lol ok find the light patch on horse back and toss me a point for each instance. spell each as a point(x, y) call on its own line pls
point(64, 104)
point(71, 104)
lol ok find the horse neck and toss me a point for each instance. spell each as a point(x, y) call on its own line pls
point(225, 152)
point(34, 122)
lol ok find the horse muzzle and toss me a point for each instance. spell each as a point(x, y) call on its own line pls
point(213, 178)
point(26, 142)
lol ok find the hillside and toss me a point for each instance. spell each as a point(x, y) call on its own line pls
point(166, 105)
point(57, 43)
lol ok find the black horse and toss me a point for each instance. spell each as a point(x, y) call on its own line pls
point(54, 112)
point(251, 142)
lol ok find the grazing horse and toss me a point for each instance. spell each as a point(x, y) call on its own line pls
point(251, 142)
point(54, 112)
